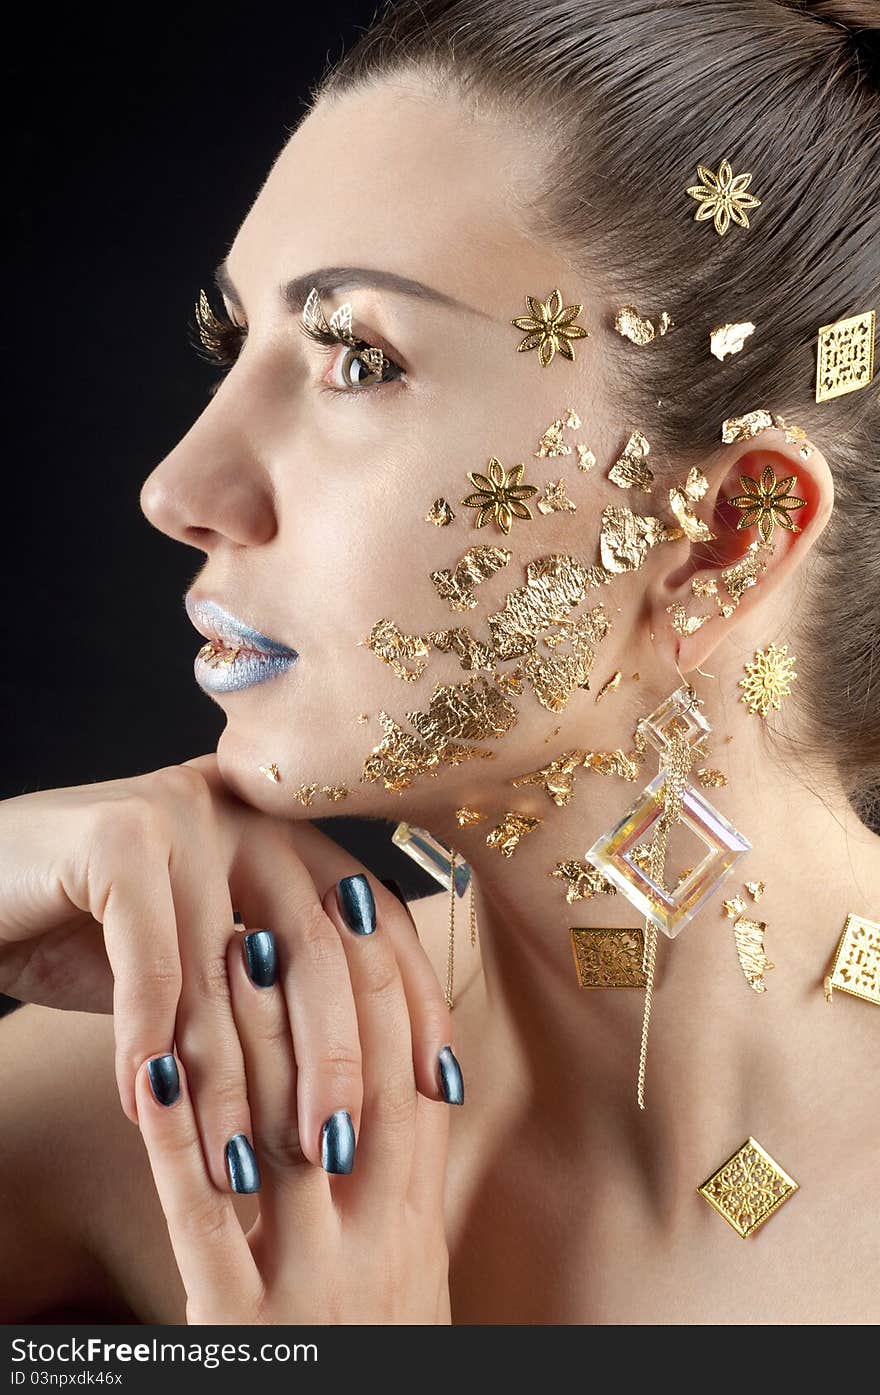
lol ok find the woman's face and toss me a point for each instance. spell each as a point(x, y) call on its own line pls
point(308, 493)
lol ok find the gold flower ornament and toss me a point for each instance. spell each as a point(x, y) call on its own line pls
point(549, 327)
point(766, 503)
point(722, 197)
point(499, 495)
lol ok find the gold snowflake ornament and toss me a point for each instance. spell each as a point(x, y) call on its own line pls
point(723, 197)
point(549, 327)
point(767, 502)
point(499, 495)
point(768, 679)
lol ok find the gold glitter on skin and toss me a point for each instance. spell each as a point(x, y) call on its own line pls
point(729, 339)
point(625, 538)
point(610, 687)
point(511, 681)
point(629, 471)
point(755, 889)
point(711, 779)
point(397, 649)
point(507, 834)
point(555, 732)
point(335, 792)
point(734, 907)
point(440, 514)
point(555, 679)
point(683, 623)
point(471, 711)
point(722, 197)
point(633, 326)
point(467, 817)
point(557, 778)
point(498, 496)
point(477, 564)
point(549, 328)
point(555, 499)
point(271, 772)
point(306, 794)
point(552, 442)
point(680, 500)
point(583, 881)
point(363, 716)
point(586, 459)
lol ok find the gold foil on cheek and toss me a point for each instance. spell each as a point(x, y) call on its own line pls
point(306, 794)
point(554, 585)
point(633, 326)
point(467, 817)
point(399, 758)
point(729, 339)
point(552, 442)
point(271, 772)
point(680, 500)
point(397, 649)
point(557, 778)
point(629, 471)
point(610, 687)
point(683, 623)
point(472, 711)
point(440, 514)
point(507, 834)
point(554, 499)
point(477, 564)
point(583, 880)
point(625, 538)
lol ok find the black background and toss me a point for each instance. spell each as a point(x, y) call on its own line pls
point(130, 159)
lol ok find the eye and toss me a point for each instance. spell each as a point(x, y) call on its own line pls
point(218, 339)
point(359, 367)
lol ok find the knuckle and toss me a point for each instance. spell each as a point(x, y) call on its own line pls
point(128, 824)
point(158, 983)
point(341, 1064)
point(399, 1098)
point(204, 1220)
point(180, 784)
point(208, 976)
point(318, 938)
point(226, 1088)
point(281, 1149)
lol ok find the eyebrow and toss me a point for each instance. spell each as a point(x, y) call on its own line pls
point(329, 279)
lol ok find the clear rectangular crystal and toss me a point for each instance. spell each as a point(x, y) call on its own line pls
point(680, 709)
point(432, 856)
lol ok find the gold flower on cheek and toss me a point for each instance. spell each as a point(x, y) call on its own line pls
point(499, 495)
point(549, 327)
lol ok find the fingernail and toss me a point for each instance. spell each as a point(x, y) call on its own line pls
point(450, 1076)
point(397, 890)
point(164, 1078)
point(337, 1143)
point(259, 957)
point(242, 1165)
point(356, 903)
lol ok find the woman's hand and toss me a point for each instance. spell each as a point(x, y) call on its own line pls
point(366, 1247)
point(118, 897)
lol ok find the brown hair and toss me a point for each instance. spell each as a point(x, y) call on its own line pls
point(631, 94)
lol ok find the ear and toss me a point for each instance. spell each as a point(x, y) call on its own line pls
point(784, 553)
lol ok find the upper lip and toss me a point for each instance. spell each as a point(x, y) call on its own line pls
point(216, 623)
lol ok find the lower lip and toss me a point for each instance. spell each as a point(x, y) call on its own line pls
point(219, 669)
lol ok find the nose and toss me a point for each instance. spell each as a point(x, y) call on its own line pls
point(212, 486)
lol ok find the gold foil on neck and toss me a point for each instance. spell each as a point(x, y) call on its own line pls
point(638, 330)
point(755, 889)
point(467, 817)
point(507, 834)
point(557, 778)
point(554, 499)
point(583, 881)
point(398, 650)
point(734, 907)
point(477, 564)
point(629, 471)
point(610, 687)
point(749, 937)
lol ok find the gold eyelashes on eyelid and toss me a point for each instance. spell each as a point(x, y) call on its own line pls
point(219, 338)
point(338, 330)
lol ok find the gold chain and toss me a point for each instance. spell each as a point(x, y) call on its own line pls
point(678, 766)
point(473, 914)
point(450, 957)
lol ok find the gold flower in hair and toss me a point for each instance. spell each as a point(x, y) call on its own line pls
point(723, 196)
point(549, 327)
point(765, 503)
point(499, 495)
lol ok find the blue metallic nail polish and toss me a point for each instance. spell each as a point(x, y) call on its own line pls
point(164, 1079)
point(242, 1165)
point(450, 1076)
point(356, 903)
point(337, 1143)
point(259, 957)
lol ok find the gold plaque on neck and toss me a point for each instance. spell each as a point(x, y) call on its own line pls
point(845, 361)
point(609, 958)
point(748, 1188)
point(857, 960)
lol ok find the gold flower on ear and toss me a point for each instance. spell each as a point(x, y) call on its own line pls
point(765, 503)
point(549, 327)
point(499, 495)
point(723, 196)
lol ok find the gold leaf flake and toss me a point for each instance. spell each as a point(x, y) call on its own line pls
point(629, 470)
point(729, 339)
point(749, 938)
point(306, 793)
point(557, 778)
point(755, 889)
point(680, 500)
point(683, 623)
point(553, 442)
point(554, 732)
point(397, 649)
point(611, 686)
point(554, 499)
point(626, 537)
point(363, 716)
point(335, 792)
point(554, 585)
point(734, 907)
point(471, 711)
point(746, 427)
point(271, 772)
point(399, 758)
point(633, 326)
point(510, 681)
point(471, 652)
point(507, 834)
point(477, 564)
point(742, 574)
point(583, 880)
point(711, 779)
point(586, 459)
point(704, 586)
point(466, 817)
point(440, 514)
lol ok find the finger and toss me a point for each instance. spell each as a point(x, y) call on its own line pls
point(314, 978)
point(207, 1038)
point(212, 1253)
point(386, 1138)
point(264, 1031)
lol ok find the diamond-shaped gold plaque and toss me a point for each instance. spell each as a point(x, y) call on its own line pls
point(845, 360)
point(857, 959)
point(748, 1188)
point(609, 958)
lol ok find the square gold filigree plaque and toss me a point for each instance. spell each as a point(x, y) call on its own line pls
point(845, 360)
point(609, 958)
point(857, 959)
point(748, 1188)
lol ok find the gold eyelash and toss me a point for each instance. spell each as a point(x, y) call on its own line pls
point(219, 339)
point(337, 330)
